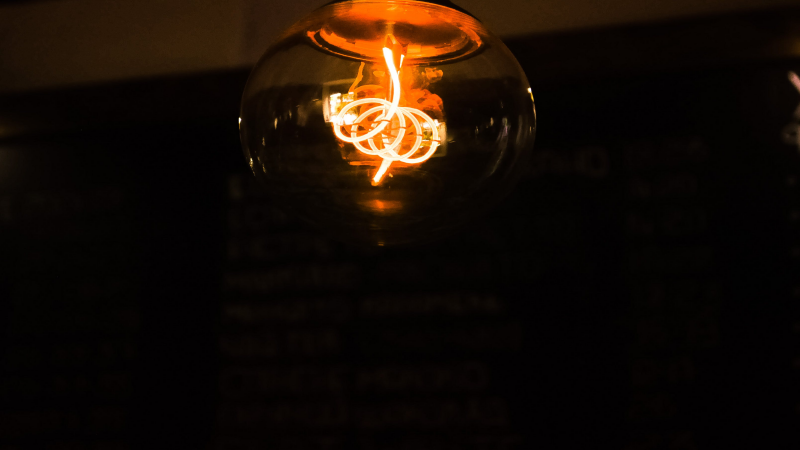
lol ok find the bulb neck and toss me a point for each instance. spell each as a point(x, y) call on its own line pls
point(426, 32)
point(445, 3)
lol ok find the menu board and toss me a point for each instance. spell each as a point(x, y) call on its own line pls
point(626, 293)
point(639, 289)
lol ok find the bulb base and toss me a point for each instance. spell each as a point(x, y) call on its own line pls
point(430, 32)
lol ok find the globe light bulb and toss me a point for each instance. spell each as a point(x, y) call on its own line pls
point(387, 122)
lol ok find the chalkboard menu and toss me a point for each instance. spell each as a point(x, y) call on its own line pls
point(638, 290)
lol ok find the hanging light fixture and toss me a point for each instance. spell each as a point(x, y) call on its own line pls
point(387, 122)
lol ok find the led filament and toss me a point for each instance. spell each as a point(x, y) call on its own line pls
point(387, 122)
point(384, 125)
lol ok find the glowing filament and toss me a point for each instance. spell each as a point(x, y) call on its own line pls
point(385, 113)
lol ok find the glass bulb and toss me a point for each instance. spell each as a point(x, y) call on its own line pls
point(387, 122)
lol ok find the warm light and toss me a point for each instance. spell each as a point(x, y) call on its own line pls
point(791, 132)
point(387, 122)
point(795, 80)
point(373, 122)
point(348, 119)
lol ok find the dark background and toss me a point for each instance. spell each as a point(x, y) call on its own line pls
point(638, 290)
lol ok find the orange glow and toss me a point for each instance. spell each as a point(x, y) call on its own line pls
point(429, 32)
point(383, 206)
point(378, 119)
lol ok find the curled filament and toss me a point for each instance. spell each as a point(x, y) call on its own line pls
point(371, 125)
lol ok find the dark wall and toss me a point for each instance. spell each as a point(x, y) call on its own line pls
point(638, 290)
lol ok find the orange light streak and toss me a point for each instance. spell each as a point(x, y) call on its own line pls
point(385, 113)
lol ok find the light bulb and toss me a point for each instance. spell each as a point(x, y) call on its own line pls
point(387, 122)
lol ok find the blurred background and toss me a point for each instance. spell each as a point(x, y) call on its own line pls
point(638, 290)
